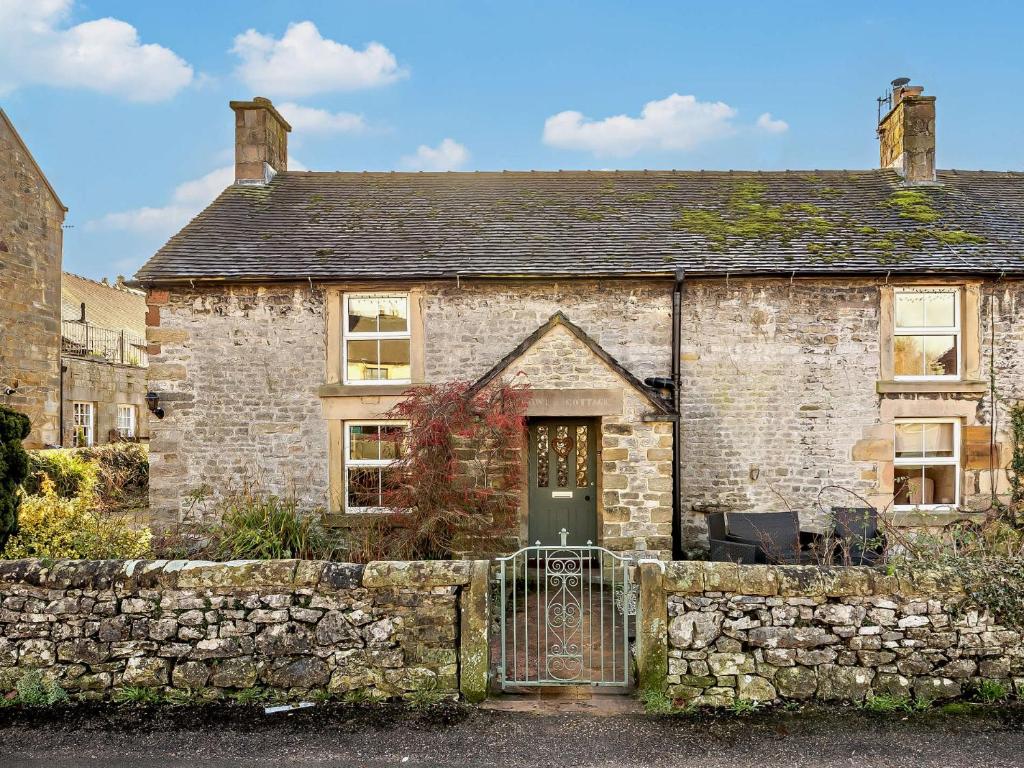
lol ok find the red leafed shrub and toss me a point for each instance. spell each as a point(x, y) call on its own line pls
point(459, 473)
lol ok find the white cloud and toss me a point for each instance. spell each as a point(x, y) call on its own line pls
point(104, 55)
point(768, 124)
point(449, 155)
point(674, 123)
point(320, 121)
point(187, 200)
point(302, 63)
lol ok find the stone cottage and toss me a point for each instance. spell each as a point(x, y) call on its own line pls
point(31, 216)
point(103, 362)
point(695, 341)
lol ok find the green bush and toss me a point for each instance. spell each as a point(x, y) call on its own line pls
point(119, 472)
point(14, 427)
point(35, 690)
point(258, 526)
point(71, 473)
point(53, 527)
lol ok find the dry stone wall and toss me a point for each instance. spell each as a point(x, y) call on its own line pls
point(295, 627)
point(770, 633)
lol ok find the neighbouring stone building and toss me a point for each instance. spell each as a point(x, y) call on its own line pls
point(31, 216)
point(695, 341)
point(103, 362)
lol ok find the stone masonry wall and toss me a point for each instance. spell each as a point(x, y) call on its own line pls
point(30, 269)
point(107, 386)
point(237, 370)
point(469, 327)
point(767, 633)
point(295, 627)
point(778, 382)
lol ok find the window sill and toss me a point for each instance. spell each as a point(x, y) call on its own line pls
point(357, 519)
point(921, 387)
point(928, 518)
point(363, 390)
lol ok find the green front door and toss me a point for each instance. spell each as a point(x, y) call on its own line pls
point(563, 480)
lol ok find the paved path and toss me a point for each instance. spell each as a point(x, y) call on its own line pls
point(492, 738)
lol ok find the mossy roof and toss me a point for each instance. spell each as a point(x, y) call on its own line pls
point(316, 225)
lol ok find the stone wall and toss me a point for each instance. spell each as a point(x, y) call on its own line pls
point(237, 370)
point(30, 268)
point(295, 627)
point(107, 386)
point(778, 383)
point(767, 633)
point(470, 326)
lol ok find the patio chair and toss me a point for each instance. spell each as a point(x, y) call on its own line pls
point(776, 534)
point(734, 552)
point(857, 535)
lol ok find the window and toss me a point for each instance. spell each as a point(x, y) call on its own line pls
point(376, 340)
point(370, 449)
point(927, 463)
point(82, 415)
point(126, 420)
point(926, 335)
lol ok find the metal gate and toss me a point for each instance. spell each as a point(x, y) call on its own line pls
point(566, 616)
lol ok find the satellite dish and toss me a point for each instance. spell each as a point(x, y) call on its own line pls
point(899, 82)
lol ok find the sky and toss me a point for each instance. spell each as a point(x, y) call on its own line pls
point(124, 104)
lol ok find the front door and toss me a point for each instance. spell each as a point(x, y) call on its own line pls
point(563, 480)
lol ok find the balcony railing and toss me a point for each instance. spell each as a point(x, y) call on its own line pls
point(89, 341)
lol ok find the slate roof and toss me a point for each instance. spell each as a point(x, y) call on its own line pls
point(106, 306)
point(321, 225)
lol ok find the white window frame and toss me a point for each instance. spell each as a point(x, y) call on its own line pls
point(953, 461)
point(347, 335)
point(132, 421)
point(955, 330)
point(79, 410)
point(348, 463)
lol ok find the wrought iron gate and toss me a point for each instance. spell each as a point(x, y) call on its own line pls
point(566, 616)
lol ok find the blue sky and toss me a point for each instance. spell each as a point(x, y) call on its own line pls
point(124, 104)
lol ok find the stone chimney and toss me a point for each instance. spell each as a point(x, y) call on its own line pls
point(261, 141)
point(906, 135)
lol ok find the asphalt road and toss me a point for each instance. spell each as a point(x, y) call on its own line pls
point(174, 738)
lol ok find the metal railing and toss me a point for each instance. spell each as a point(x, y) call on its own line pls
point(90, 341)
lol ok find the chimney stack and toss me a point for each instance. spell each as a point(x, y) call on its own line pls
point(261, 141)
point(906, 134)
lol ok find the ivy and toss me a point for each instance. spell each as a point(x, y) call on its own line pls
point(1017, 455)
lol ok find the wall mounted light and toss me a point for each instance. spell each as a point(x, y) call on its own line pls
point(153, 402)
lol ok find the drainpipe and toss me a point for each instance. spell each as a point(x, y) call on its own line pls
point(60, 427)
point(677, 430)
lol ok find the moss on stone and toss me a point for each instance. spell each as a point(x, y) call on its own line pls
point(749, 217)
point(913, 204)
point(956, 237)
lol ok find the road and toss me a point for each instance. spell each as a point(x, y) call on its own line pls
point(170, 738)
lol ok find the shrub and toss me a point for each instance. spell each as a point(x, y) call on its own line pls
point(119, 473)
point(14, 427)
point(260, 526)
point(71, 473)
point(35, 690)
point(459, 473)
point(52, 527)
point(123, 472)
